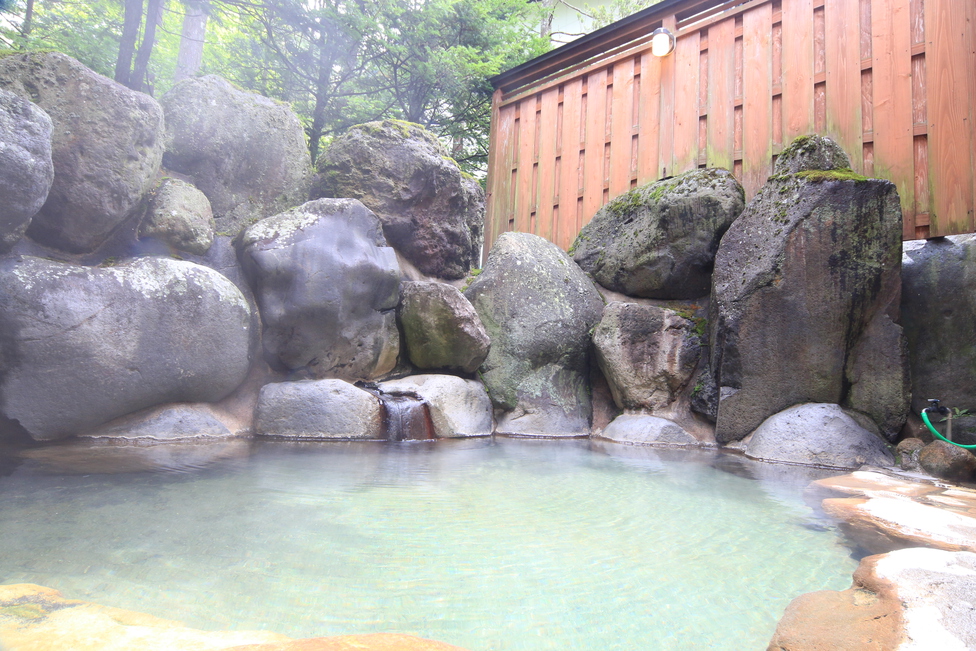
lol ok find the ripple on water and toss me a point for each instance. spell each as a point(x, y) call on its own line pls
point(488, 545)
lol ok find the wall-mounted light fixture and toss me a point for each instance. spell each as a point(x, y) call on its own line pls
point(662, 42)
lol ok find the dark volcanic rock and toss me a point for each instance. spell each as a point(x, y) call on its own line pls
point(432, 213)
point(107, 145)
point(659, 240)
point(246, 152)
point(327, 286)
point(947, 461)
point(538, 308)
point(81, 345)
point(799, 278)
point(26, 170)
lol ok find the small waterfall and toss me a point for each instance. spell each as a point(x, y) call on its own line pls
point(406, 417)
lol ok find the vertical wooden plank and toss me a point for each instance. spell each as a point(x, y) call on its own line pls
point(798, 118)
point(686, 69)
point(971, 75)
point(547, 162)
point(595, 143)
point(950, 165)
point(649, 118)
point(757, 118)
point(621, 127)
point(843, 58)
point(570, 158)
point(891, 81)
point(524, 197)
point(499, 171)
point(669, 86)
point(923, 202)
point(721, 90)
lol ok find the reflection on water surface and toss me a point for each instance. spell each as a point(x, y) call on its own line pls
point(487, 544)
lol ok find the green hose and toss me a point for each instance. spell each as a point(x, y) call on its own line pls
point(935, 432)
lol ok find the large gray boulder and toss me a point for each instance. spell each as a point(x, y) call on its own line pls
point(647, 353)
point(82, 345)
point(659, 240)
point(107, 145)
point(441, 329)
point(327, 286)
point(179, 215)
point(318, 409)
point(26, 170)
point(938, 306)
point(538, 308)
point(818, 435)
point(246, 152)
point(458, 407)
point(432, 213)
point(799, 279)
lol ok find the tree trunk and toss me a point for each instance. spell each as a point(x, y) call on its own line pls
point(191, 39)
point(28, 24)
point(154, 17)
point(127, 46)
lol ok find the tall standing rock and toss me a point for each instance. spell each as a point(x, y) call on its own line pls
point(80, 346)
point(659, 240)
point(107, 145)
point(26, 170)
point(432, 213)
point(441, 328)
point(538, 308)
point(938, 308)
point(799, 278)
point(327, 286)
point(246, 152)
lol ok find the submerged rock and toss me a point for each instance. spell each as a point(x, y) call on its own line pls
point(432, 213)
point(659, 240)
point(908, 599)
point(84, 345)
point(107, 146)
point(168, 423)
point(441, 329)
point(538, 308)
point(820, 435)
point(806, 281)
point(327, 285)
point(318, 409)
point(246, 152)
point(26, 170)
point(41, 619)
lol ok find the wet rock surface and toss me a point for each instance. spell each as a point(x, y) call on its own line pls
point(327, 286)
point(26, 170)
point(107, 146)
point(458, 407)
point(246, 152)
point(659, 240)
point(151, 331)
point(799, 278)
point(432, 213)
point(908, 599)
point(640, 429)
point(947, 461)
point(441, 329)
point(42, 619)
point(538, 308)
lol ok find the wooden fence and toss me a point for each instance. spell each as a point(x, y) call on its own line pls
point(892, 81)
